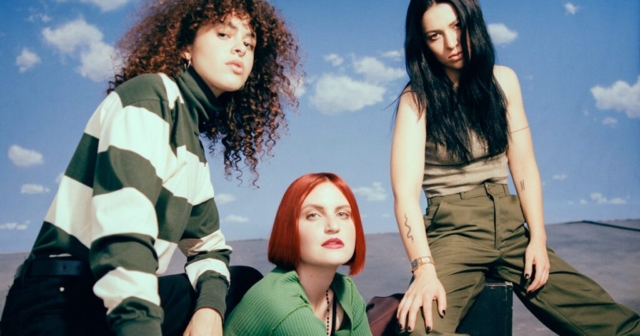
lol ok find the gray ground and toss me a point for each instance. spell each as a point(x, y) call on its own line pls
point(608, 252)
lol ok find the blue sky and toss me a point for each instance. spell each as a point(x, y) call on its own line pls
point(578, 64)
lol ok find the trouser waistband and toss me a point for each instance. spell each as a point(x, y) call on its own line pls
point(52, 267)
point(487, 188)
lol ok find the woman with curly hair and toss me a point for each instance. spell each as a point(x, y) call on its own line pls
point(138, 185)
point(317, 228)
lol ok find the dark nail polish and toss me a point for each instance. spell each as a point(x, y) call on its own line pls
point(401, 327)
point(444, 312)
point(409, 329)
point(526, 276)
point(428, 329)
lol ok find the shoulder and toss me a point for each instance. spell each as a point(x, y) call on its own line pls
point(506, 77)
point(146, 87)
point(346, 290)
point(279, 290)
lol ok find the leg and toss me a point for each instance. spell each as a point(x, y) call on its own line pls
point(56, 305)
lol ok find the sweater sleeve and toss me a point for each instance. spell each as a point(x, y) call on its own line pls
point(130, 162)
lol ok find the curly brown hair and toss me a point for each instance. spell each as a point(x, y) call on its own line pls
point(249, 124)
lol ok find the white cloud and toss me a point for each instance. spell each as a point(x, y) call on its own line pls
point(235, 219)
point(224, 198)
point(107, 5)
point(79, 36)
point(334, 59)
point(375, 193)
point(22, 157)
point(610, 121)
point(27, 60)
point(619, 97)
point(395, 55)
point(39, 17)
point(600, 199)
point(375, 71)
point(15, 226)
point(500, 34)
point(571, 8)
point(32, 189)
point(334, 94)
point(559, 177)
point(583, 201)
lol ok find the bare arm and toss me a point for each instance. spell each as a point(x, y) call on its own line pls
point(407, 164)
point(526, 177)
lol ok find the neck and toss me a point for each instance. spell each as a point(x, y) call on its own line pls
point(454, 76)
point(315, 281)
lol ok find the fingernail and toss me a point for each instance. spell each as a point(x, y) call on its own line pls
point(444, 312)
point(526, 276)
point(409, 329)
point(401, 327)
point(428, 329)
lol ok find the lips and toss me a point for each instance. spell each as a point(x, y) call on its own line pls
point(236, 66)
point(333, 243)
point(456, 57)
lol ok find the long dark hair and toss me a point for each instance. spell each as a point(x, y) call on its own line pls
point(478, 105)
point(254, 116)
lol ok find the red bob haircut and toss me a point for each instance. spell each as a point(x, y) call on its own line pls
point(284, 244)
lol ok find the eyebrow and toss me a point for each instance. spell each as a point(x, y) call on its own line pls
point(321, 207)
point(250, 34)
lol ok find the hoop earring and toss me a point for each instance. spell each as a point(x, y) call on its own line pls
point(187, 65)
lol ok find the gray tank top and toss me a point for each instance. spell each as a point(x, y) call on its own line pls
point(444, 176)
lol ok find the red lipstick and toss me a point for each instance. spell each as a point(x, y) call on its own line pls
point(333, 243)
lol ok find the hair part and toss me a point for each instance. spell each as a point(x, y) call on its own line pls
point(284, 243)
point(478, 105)
point(253, 117)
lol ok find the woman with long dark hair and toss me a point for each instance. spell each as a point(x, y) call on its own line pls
point(138, 185)
point(460, 123)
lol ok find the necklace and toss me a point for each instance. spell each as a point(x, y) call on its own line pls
point(328, 315)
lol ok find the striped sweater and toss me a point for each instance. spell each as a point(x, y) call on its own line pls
point(277, 305)
point(137, 187)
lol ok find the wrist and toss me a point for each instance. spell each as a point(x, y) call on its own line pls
point(417, 263)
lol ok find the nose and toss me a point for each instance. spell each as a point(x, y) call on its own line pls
point(452, 38)
point(239, 48)
point(332, 226)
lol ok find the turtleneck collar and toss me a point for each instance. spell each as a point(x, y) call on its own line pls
point(198, 97)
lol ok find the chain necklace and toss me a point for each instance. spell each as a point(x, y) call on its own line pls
point(328, 315)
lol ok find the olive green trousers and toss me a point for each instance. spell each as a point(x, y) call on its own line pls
point(481, 233)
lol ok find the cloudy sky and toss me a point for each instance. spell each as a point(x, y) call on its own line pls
point(577, 63)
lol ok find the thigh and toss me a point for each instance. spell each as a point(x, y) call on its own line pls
point(53, 306)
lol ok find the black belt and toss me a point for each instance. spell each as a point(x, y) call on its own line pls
point(52, 267)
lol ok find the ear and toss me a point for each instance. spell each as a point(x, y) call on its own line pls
point(186, 53)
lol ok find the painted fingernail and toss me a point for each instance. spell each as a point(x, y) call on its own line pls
point(444, 312)
point(401, 327)
point(428, 329)
point(526, 276)
point(409, 329)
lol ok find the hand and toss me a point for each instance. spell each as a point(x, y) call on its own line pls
point(205, 322)
point(424, 289)
point(536, 256)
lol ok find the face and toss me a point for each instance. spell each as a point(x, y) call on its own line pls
point(222, 54)
point(442, 34)
point(327, 232)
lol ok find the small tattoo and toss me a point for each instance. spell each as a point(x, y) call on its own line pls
point(409, 235)
point(522, 185)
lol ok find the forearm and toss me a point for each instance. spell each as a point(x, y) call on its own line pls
point(526, 178)
point(411, 227)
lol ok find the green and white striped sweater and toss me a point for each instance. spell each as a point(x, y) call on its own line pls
point(137, 187)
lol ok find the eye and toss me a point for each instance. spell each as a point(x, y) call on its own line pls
point(249, 46)
point(312, 216)
point(432, 36)
point(344, 215)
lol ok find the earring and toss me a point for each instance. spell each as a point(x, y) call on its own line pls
point(187, 65)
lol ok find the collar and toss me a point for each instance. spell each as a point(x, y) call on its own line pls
point(198, 97)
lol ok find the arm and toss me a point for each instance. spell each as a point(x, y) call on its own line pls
point(526, 178)
point(407, 169)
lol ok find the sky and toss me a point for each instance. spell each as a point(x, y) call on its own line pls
point(578, 63)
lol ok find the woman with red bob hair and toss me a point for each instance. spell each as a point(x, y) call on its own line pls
point(317, 228)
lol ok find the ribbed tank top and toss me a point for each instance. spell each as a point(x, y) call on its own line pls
point(444, 176)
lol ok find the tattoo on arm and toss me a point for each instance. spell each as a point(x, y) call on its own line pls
point(409, 235)
point(521, 185)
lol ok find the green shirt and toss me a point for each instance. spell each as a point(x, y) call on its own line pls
point(278, 305)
